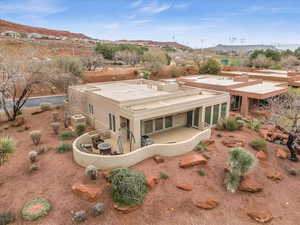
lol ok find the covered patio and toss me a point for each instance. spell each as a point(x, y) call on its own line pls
point(174, 135)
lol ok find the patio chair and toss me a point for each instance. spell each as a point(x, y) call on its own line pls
point(96, 140)
point(87, 147)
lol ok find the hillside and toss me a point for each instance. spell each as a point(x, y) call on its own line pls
point(10, 26)
point(241, 48)
point(155, 43)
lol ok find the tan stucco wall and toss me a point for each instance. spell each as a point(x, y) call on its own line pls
point(126, 160)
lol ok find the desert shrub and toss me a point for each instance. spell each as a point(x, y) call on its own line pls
point(32, 155)
point(97, 209)
point(36, 136)
point(240, 162)
point(7, 146)
point(128, 187)
point(254, 125)
point(201, 147)
point(55, 126)
point(66, 135)
point(276, 67)
point(33, 168)
point(211, 66)
point(164, 176)
point(91, 172)
point(259, 144)
point(201, 172)
point(55, 116)
point(45, 106)
point(229, 124)
point(80, 216)
point(80, 129)
point(43, 149)
point(64, 147)
point(7, 218)
point(42, 209)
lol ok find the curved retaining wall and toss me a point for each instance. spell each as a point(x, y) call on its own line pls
point(104, 162)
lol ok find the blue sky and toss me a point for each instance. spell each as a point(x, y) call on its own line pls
point(193, 22)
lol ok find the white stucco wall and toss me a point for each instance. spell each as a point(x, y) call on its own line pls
point(126, 160)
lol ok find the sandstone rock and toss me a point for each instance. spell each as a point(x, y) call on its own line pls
point(126, 209)
point(158, 159)
point(261, 216)
point(185, 187)
point(152, 181)
point(209, 142)
point(276, 176)
point(232, 142)
point(20, 121)
point(248, 184)
point(292, 171)
point(97, 209)
point(192, 160)
point(210, 203)
point(281, 154)
point(87, 193)
point(264, 134)
point(261, 155)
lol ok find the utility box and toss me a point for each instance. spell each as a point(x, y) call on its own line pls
point(77, 119)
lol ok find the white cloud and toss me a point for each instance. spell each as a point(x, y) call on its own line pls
point(155, 7)
point(32, 8)
point(141, 21)
point(136, 3)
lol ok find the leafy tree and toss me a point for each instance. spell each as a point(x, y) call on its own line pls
point(154, 60)
point(261, 61)
point(269, 53)
point(297, 53)
point(211, 66)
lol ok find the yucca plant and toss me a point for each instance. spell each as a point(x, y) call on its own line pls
point(254, 125)
point(7, 146)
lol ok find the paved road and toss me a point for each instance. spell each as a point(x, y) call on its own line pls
point(36, 101)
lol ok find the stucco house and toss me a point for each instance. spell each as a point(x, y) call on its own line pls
point(132, 110)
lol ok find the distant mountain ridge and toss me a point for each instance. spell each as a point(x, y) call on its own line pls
point(6, 26)
point(241, 48)
point(155, 43)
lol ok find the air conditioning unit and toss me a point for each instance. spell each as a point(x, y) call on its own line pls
point(77, 119)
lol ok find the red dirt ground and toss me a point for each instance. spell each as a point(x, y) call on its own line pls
point(164, 205)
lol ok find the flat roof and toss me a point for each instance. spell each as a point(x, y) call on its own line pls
point(262, 88)
point(239, 73)
point(214, 80)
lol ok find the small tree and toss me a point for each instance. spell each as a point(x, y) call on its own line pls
point(92, 61)
point(285, 110)
point(55, 126)
point(211, 66)
point(128, 187)
point(154, 60)
point(261, 61)
point(7, 146)
point(128, 57)
point(36, 136)
point(240, 162)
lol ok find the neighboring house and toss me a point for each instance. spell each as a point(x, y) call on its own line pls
point(246, 94)
point(166, 112)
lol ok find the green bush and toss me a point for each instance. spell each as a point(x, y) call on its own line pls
point(259, 144)
point(229, 124)
point(80, 129)
point(43, 210)
point(212, 66)
point(32, 155)
point(276, 67)
point(66, 135)
point(164, 176)
point(240, 162)
point(64, 147)
point(7, 146)
point(201, 172)
point(45, 106)
point(201, 147)
point(254, 125)
point(36, 136)
point(128, 187)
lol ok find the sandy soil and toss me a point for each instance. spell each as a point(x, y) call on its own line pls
point(164, 205)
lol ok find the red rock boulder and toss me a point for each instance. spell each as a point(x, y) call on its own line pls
point(87, 193)
point(158, 159)
point(249, 184)
point(185, 187)
point(192, 160)
point(261, 216)
point(261, 155)
point(232, 142)
point(152, 181)
point(209, 142)
point(281, 154)
point(126, 209)
point(275, 176)
point(210, 203)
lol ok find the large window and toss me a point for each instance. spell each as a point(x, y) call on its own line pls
point(112, 122)
point(208, 115)
point(224, 110)
point(169, 122)
point(148, 127)
point(91, 109)
point(216, 114)
point(159, 124)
